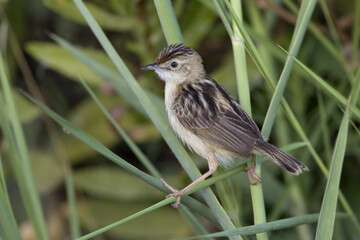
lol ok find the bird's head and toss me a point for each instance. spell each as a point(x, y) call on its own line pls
point(177, 64)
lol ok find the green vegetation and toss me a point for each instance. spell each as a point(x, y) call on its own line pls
point(86, 139)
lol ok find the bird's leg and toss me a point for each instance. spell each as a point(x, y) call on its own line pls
point(213, 164)
point(251, 172)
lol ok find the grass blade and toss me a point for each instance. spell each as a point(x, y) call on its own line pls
point(27, 181)
point(306, 10)
point(328, 88)
point(355, 36)
point(328, 208)
point(164, 202)
point(270, 226)
point(168, 21)
point(8, 225)
point(240, 61)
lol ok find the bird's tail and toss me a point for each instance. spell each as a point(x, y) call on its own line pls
point(281, 158)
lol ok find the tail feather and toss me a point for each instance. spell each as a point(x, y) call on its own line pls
point(281, 158)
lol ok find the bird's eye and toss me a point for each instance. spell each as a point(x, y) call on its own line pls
point(173, 64)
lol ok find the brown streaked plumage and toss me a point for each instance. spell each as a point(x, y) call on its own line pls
point(207, 119)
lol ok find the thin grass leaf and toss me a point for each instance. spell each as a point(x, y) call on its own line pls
point(252, 50)
point(356, 36)
point(324, 127)
point(324, 40)
point(331, 24)
point(257, 195)
point(327, 87)
point(132, 145)
point(164, 202)
point(355, 90)
point(8, 225)
point(319, 162)
point(222, 13)
point(73, 213)
point(194, 222)
point(326, 223)
point(3, 188)
point(100, 148)
point(28, 187)
point(129, 218)
point(307, 8)
point(293, 146)
point(240, 61)
point(270, 226)
point(168, 21)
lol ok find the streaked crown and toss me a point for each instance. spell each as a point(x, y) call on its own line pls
point(177, 64)
point(174, 51)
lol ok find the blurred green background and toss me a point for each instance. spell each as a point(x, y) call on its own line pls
point(105, 193)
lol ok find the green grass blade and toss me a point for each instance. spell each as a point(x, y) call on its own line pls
point(3, 188)
point(193, 221)
point(29, 190)
point(331, 24)
point(324, 40)
point(307, 8)
point(355, 90)
point(270, 226)
point(168, 21)
point(328, 88)
point(8, 225)
point(240, 61)
point(250, 46)
point(326, 223)
point(73, 213)
point(129, 218)
point(164, 202)
point(222, 13)
point(324, 127)
point(132, 145)
point(257, 195)
point(356, 36)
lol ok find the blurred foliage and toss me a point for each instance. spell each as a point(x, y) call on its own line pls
point(107, 194)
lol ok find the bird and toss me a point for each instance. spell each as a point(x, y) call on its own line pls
point(208, 120)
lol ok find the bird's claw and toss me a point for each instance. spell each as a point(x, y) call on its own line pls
point(175, 193)
point(252, 175)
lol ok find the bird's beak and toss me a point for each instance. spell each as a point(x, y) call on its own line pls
point(153, 66)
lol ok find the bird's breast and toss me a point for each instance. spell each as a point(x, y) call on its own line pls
point(188, 137)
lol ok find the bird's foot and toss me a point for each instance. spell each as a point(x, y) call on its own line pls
point(175, 193)
point(252, 175)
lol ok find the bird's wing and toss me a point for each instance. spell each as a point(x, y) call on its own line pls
point(206, 109)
